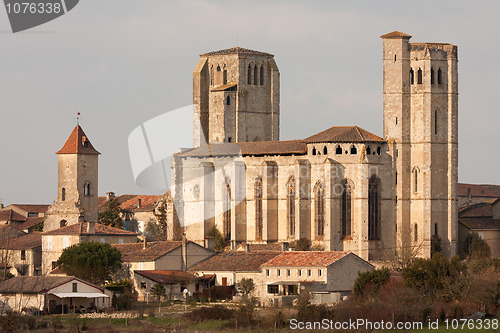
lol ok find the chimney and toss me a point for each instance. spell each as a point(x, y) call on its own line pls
point(184, 253)
point(285, 247)
point(210, 243)
point(91, 227)
point(110, 195)
point(145, 243)
point(233, 245)
point(1, 206)
point(139, 203)
point(247, 247)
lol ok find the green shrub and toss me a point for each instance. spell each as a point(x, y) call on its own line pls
point(374, 279)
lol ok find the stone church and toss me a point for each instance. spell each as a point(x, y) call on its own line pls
point(343, 188)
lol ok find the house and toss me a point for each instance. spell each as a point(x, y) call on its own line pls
point(159, 256)
point(52, 294)
point(484, 219)
point(229, 267)
point(327, 275)
point(23, 254)
point(470, 194)
point(175, 283)
point(55, 241)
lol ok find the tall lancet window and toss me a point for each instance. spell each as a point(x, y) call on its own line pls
point(290, 206)
point(346, 219)
point(255, 75)
point(86, 190)
point(319, 209)
point(258, 209)
point(249, 75)
point(226, 217)
point(374, 208)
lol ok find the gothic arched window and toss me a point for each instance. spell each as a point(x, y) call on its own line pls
point(255, 75)
point(63, 223)
point(440, 76)
point(249, 75)
point(290, 206)
point(226, 217)
point(373, 207)
point(325, 150)
point(63, 194)
point(412, 76)
point(419, 76)
point(432, 75)
point(354, 151)
point(338, 150)
point(319, 205)
point(261, 75)
point(212, 75)
point(346, 219)
point(224, 76)
point(258, 209)
point(368, 150)
point(228, 100)
point(86, 190)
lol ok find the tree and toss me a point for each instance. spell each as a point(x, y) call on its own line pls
point(375, 278)
point(158, 290)
point(90, 261)
point(220, 242)
point(302, 244)
point(475, 247)
point(247, 286)
point(111, 215)
point(436, 245)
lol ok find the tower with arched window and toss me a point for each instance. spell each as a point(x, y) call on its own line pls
point(420, 122)
point(77, 183)
point(236, 97)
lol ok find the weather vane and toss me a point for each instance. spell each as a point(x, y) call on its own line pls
point(78, 118)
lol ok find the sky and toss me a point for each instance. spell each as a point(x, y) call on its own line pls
point(122, 62)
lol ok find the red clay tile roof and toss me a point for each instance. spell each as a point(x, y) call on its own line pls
point(11, 215)
point(134, 252)
point(32, 284)
point(478, 210)
point(101, 201)
point(235, 261)
point(9, 232)
point(344, 134)
point(32, 208)
point(224, 87)
point(147, 203)
point(236, 50)
point(481, 224)
point(28, 241)
point(74, 144)
point(167, 277)
point(306, 258)
point(30, 222)
point(395, 34)
point(81, 229)
point(248, 148)
point(477, 190)
point(261, 247)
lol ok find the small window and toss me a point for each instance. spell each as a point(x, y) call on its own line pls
point(249, 75)
point(395, 58)
point(368, 150)
point(338, 150)
point(120, 240)
point(325, 150)
point(314, 151)
point(75, 287)
point(229, 139)
point(272, 289)
point(435, 228)
point(102, 240)
point(432, 75)
point(224, 77)
point(54, 265)
point(412, 76)
point(261, 75)
point(419, 76)
point(86, 190)
point(143, 285)
point(63, 223)
point(278, 272)
point(299, 272)
point(415, 187)
point(440, 76)
point(435, 122)
point(255, 75)
point(63, 194)
point(396, 120)
point(354, 150)
point(379, 150)
point(228, 100)
point(287, 272)
point(320, 272)
point(309, 273)
point(23, 254)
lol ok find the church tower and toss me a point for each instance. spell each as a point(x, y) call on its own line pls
point(420, 125)
point(77, 183)
point(236, 96)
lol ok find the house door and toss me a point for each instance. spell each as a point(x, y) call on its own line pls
point(224, 282)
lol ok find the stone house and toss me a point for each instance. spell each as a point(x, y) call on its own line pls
point(175, 282)
point(327, 275)
point(23, 254)
point(55, 241)
point(159, 256)
point(50, 294)
point(23, 216)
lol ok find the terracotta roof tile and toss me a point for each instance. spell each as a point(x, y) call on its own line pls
point(134, 252)
point(478, 210)
point(147, 203)
point(261, 247)
point(477, 190)
point(481, 224)
point(9, 232)
point(395, 34)
point(32, 208)
point(78, 143)
point(101, 201)
point(28, 241)
point(344, 134)
point(35, 284)
point(81, 229)
point(30, 222)
point(166, 277)
point(306, 258)
point(235, 261)
point(236, 50)
point(11, 215)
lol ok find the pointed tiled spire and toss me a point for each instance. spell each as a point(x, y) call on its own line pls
point(78, 143)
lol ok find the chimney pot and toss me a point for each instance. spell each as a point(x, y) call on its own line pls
point(247, 247)
point(110, 195)
point(285, 247)
point(91, 227)
point(139, 203)
point(210, 243)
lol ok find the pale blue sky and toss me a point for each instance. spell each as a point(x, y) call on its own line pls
point(122, 62)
